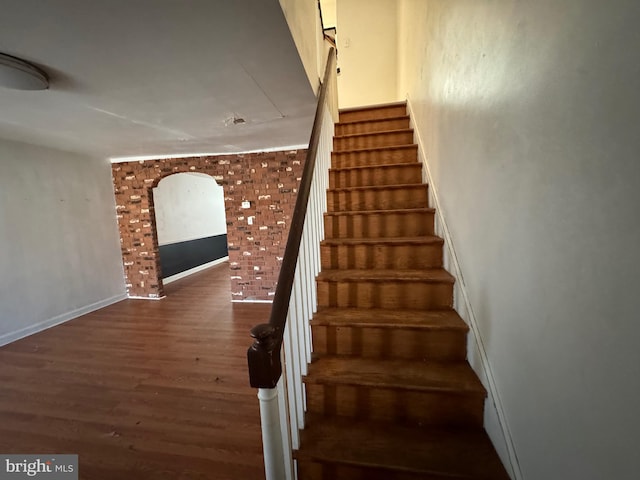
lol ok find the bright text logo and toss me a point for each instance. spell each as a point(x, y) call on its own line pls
point(50, 467)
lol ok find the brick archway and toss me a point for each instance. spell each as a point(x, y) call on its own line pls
point(268, 180)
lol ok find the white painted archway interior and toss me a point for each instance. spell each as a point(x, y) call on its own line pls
point(191, 224)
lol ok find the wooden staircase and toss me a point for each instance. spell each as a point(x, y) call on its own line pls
point(389, 392)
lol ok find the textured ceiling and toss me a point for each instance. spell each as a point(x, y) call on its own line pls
point(155, 77)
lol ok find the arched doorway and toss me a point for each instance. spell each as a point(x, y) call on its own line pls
point(190, 223)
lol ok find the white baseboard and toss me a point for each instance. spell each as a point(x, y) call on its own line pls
point(58, 319)
point(136, 297)
point(251, 301)
point(193, 270)
point(478, 358)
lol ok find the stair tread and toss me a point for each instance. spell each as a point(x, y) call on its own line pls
point(376, 106)
point(411, 164)
point(374, 120)
point(387, 318)
point(423, 240)
point(373, 134)
point(382, 212)
point(372, 149)
point(451, 453)
point(431, 275)
point(443, 377)
point(380, 187)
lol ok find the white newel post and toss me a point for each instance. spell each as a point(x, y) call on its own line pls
point(274, 459)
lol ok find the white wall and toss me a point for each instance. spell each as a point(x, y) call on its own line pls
point(188, 206)
point(59, 242)
point(528, 114)
point(367, 52)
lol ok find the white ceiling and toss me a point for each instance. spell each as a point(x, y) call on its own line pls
point(155, 77)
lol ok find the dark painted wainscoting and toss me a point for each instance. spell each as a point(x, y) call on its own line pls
point(182, 256)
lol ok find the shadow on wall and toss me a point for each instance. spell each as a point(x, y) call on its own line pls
point(190, 223)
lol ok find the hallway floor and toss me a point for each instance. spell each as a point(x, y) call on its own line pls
point(141, 389)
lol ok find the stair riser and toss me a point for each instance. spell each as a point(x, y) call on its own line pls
point(372, 141)
point(379, 225)
point(396, 294)
point(387, 343)
point(411, 407)
point(381, 256)
point(378, 199)
point(374, 157)
point(362, 177)
point(371, 127)
point(316, 470)
point(373, 113)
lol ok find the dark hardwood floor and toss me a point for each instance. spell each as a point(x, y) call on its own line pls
point(141, 389)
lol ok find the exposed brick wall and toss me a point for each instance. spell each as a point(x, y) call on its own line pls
point(268, 180)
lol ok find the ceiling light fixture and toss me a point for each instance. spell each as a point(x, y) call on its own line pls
point(20, 75)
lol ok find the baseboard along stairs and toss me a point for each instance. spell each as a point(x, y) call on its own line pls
point(390, 394)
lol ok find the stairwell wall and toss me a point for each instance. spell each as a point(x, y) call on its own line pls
point(528, 115)
point(303, 19)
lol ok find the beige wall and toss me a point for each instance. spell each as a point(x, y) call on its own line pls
point(304, 22)
point(329, 13)
point(528, 114)
point(367, 52)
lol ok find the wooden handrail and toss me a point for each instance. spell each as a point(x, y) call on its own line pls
point(263, 356)
point(330, 40)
